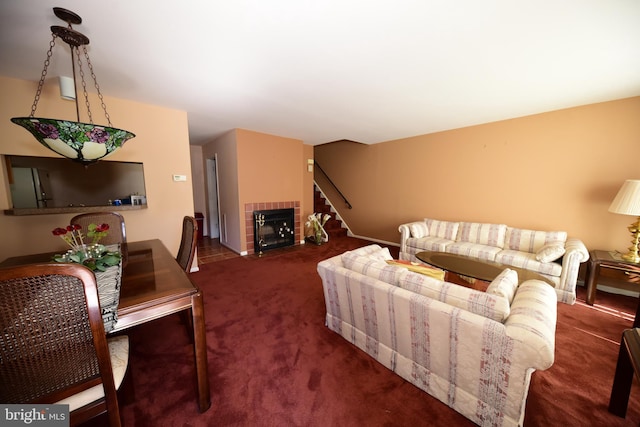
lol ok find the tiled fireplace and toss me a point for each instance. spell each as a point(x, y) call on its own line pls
point(273, 234)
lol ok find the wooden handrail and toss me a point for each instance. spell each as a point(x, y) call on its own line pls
point(334, 186)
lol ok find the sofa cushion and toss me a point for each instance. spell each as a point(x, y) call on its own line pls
point(528, 261)
point(418, 229)
point(505, 284)
point(365, 250)
point(435, 244)
point(519, 239)
point(482, 234)
point(550, 252)
point(474, 250)
point(492, 306)
point(442, 229)
point(372, 267)
point(382, 254)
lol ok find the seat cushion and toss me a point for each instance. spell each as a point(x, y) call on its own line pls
point(436, 244)
point(474, 250)
point(119, 351)
point(528, 261)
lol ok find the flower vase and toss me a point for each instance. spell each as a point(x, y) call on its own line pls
point(318, 237)
point(109, 282)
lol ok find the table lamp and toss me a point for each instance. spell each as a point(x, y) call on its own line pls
point(627, 202)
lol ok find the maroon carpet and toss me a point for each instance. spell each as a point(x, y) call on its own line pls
point(272, 362)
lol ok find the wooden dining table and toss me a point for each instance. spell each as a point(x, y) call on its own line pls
point(153, 285)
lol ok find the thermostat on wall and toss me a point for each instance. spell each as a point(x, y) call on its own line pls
point(179, 178)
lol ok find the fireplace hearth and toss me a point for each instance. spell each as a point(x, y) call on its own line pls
point(273, 228)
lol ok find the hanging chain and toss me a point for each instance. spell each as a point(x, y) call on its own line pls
point(84, 84)
point(74, 51)
point(95, 81)
point(42, 76)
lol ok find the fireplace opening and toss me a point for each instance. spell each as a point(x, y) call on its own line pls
point(273, 228)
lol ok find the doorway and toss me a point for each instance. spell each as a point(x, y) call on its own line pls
point(212, 198)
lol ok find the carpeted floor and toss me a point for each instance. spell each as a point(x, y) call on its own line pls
point(272, 362)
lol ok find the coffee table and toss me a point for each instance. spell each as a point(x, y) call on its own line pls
point(471, 267)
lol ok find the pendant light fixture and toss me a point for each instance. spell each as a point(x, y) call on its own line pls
point(83, 142)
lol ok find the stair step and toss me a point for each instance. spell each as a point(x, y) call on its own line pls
point(333, 226)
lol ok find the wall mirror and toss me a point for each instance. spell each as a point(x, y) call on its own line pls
point(45, 182)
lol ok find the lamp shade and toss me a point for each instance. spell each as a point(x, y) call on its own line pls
point(83, 142)
point(627, 201)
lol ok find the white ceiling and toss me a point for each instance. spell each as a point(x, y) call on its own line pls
point(326, 70)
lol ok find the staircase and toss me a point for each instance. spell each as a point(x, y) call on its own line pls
point(333, 227)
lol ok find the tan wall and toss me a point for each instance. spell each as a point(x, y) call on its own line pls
point(557, 170)
point(161, 144)
point(270, 169)
point(256, 167)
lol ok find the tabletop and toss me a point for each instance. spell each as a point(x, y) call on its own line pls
point(150, 277)
point(479, 269)
point(153, 285)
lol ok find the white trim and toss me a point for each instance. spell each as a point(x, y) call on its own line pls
point(617, 291)
point(328, 202)
point(374, 240)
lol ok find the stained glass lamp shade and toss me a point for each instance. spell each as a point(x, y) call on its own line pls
point(83, 142)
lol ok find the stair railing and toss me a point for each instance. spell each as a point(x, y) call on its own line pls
point(334, 186)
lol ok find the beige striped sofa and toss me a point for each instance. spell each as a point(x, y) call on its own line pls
point(474, 351)
point(549, 253)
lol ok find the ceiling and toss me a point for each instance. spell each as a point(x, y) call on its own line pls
point(320, 71)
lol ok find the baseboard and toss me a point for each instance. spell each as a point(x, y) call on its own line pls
point(384, 242)
point(618, 291)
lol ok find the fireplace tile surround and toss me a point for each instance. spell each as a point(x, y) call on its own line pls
point(261, 206)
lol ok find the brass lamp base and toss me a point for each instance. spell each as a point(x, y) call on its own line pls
point(633, 255)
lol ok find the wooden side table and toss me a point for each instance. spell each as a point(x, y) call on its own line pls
point(605, 260)
point(628, 364)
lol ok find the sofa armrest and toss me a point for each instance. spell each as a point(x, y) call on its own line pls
point(405, 233)
point(532, 322)
point(577, 249)
point(575, 254)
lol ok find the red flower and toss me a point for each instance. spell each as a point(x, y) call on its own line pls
point(102, 227)
point(59, 231)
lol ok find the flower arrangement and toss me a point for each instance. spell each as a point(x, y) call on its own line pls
point(94, 255)
point(316, 223)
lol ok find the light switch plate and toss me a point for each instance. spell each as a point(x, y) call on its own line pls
point(179, 178)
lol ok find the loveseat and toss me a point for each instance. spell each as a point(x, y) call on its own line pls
point(549, 253)
point(474, 351)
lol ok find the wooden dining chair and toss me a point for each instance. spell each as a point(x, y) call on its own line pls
point(117, 229)
point(53, 346)
point(188, 243)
